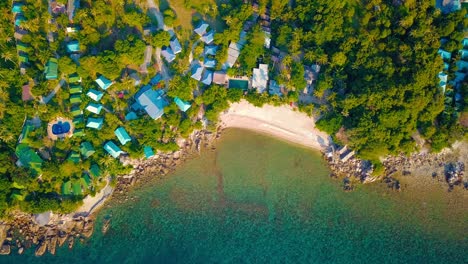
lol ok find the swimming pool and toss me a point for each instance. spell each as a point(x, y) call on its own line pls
point(60, 128)
point(238, 84)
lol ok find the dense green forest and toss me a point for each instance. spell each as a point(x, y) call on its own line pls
point(377, 88)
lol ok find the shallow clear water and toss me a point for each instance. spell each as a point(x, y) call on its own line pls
point(260, 200)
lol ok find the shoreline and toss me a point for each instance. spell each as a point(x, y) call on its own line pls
point(280, 122)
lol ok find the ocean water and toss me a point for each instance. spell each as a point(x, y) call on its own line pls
point(259, 200)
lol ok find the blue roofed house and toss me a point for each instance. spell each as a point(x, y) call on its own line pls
point(465, 43)
point(207, 77)
point(148, 152)
point(103, 82)
point(183, 105)
point(464, 54)
point(448, 6)
point(122, 135)
point(175, 45)
point(462, 65)
point(446, 56)
point(95, 123)
point(210, 50)
point(131, 116)
point(94, 108)
point(112, 149)
point(73, 46)
point(201, 29)
point(208, 37)
point(168, 54)
point(197, 72)
point(155, 80)
point(19, 19)
point(151, 101)
point(209, 63)
point(17, 7)
point(443, 77)
point(95, 95)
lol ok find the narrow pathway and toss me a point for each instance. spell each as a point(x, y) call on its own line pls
point(52, 94)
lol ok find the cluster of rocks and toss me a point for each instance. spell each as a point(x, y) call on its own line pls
point(24, 233)
point(351, 169)
point(445, 167)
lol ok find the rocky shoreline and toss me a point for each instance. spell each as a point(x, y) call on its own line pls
point(25, 233)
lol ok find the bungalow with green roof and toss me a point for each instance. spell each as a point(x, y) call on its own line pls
point(95, 171)
point(78, 132)
point(23, 57)
point(95, 123)
point(76, 111)
point(17, 8)
point(112, 149)
point(122, 135)
point(103, 82)
point(183, 105)
point(148, 152)
point(86, 149)
point(95, 95)
point(74, 78)
point(74, 157)
point(78, 120)
point(17, 195)
point(27, 128)
point(86, 181)
point(28, 158)
point(73, 46)
point(76, 89)
point(75, 99)
point(20, 46)
point(67, 188)
point(76, 185)
point(94, 108)
point(51, 69)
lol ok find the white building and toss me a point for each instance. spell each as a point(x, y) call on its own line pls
point(260, 78)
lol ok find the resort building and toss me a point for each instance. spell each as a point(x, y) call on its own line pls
point(51, 69)
point(26, 94)
point(275, 88)
point(197, 72)
point(75, 99)
point(210, 50)
point(75, 89)
point(103, 82)
point(86, 149)
point(151, 101)
point(183, 105)
point(74, 78)
point(122, 135)
point(448, 6)
point(17, 8)
point(112, 149)
point(260, 78)
point(95, 123)
point(234, 50)
point(94, 108)
point(208, 37)
point(207, 77)
point(95, 95)
point(446, 56)
point(73, 46)
point(131, 116)
point(28, 158)
point(201, 29)
point(175, 45)
point(220, 77)
point(155, 80)
point(95, 171)
point(209, 63)
point(148, 152)
point(168, 54)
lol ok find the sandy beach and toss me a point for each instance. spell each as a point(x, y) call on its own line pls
point(278, 121)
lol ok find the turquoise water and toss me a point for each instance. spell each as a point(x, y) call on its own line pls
point(260, 200)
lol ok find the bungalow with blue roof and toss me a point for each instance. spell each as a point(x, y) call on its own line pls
point(175, 45)
point(112, 149)
point(464, 54)
point(209, 63)
point(448, 6)
point(183, 105)
point(446, 56)
point(197, 72)
point(168, 54)
point(19, 19)
point(210, 50)
point(95, 95)
point(443, 77)
point(51, 69)
point(122, 135)
point(131, 116)
point(462, 65)
point(73, 46)
point(208, 37)
point(103, 82)
point(151, 101)
point(95, 123)
point(201, 29)
point(465, 43)
point(148, 152)
point(94, 108)
point(17, 7)
point(207, 77)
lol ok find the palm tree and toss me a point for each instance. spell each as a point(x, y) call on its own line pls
point(7, 56)
point(322, 59)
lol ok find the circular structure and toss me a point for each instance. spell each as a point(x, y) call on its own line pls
point(60, 128)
